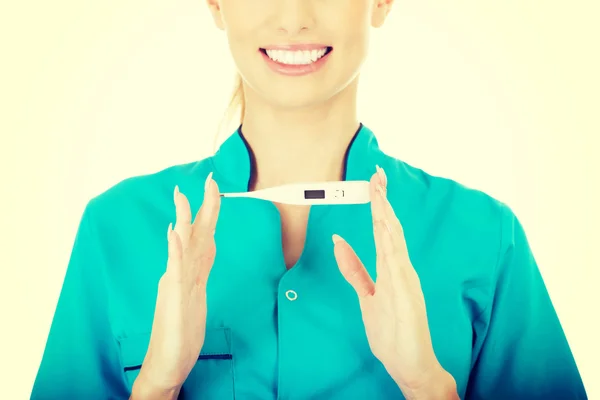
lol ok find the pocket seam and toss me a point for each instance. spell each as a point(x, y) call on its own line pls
point(216, 343)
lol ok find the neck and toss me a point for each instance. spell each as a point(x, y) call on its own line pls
point(299, 145)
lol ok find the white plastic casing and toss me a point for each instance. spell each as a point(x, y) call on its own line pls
point(337, 192)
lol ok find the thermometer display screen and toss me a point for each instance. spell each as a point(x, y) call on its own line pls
point(314, 194)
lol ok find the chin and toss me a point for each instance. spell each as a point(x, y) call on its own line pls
point(303, 93)
point(292, 99)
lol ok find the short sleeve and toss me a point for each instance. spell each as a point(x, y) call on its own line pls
point(520, 349)
point(81, 357)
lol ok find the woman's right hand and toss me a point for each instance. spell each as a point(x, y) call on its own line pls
point(179, 322)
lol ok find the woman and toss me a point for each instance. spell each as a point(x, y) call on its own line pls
point(285, 313)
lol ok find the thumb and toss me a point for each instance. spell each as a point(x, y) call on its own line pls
point(352, 268)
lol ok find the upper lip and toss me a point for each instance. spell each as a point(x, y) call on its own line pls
point(294, 47)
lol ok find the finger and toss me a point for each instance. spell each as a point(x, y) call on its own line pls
point(387, 209)
point(383, 217)
point(352, 268)
point(205, 263)
point(393, 243)
point(206, 218)
point(376, 210)
point(202, 239)
point(379, 224)
point(175, 259)
point(183, 217)
point(393, 225)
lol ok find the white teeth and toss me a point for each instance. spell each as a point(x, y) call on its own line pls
point(299, 57)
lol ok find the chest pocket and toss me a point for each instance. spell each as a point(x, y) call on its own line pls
point(212, 376)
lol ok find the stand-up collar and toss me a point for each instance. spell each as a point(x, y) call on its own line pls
point(232, 163)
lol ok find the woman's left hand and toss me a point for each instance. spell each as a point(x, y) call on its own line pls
point(393, 307)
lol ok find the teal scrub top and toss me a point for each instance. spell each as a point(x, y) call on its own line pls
point(274, 333)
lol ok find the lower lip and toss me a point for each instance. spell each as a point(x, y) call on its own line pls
point(296, 70)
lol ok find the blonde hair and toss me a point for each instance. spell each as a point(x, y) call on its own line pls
point(236, 105)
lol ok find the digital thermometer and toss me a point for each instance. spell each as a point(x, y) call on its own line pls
point(338, 192)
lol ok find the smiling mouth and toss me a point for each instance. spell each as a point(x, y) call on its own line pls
point(296, 57)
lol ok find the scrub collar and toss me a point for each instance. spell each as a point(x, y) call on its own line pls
point(232, 163)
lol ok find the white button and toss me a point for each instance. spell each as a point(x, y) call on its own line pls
point(291, 295)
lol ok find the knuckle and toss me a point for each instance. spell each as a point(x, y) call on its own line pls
point(208, 255)
point(352, 273)
point(379, 224)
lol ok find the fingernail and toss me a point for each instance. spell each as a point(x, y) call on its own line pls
point(336, 238)
point(175, 192)
point(169, 231)
point(382, 176)
point(207, 182)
